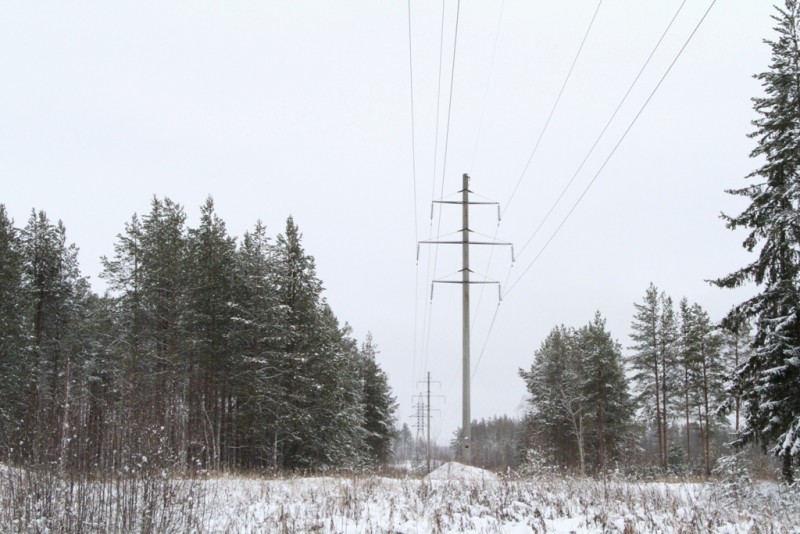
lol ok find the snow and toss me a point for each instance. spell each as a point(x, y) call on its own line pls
point(464, 473)
point(453, 498)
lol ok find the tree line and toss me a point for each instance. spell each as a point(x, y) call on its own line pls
point(205, 352)
point(592, 409)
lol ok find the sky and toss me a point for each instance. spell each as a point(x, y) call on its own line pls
point(281, 108)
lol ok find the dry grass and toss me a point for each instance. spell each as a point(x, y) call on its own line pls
point(151, 501)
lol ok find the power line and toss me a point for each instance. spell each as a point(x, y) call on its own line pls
point(605, 128)
point(555, 105)
point(539, 139)
point(438, 102)
point(428, 273)
point(446, 142)
point(488, 80)
point(413, 134)
point(613, 150)
point(680, 52)
point(486, 341)
point(450, 102)
point(414, 177)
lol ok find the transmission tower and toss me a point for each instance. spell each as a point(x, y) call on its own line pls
point(465, 242)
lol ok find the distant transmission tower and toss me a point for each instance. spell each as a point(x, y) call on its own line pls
point(420, 406)
point(428, 418)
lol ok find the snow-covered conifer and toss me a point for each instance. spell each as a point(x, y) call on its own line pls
point(768, 382)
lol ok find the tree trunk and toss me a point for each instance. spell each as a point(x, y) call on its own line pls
point(275, 449)
point(664, 407)
point(579, 434)
point(787, 471)
point(736, 366)
point(707, 434)
point(659, 429)
point(64, 441)
point(688, 433)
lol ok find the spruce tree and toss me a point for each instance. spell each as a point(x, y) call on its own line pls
point(210, 283)
point(320, 421)
point(769, 380)
point(338, 405)
point(379, 404)
point(257, 326)
point(556, 407)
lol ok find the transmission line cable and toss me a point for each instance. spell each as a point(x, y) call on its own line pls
point(536, 145)
point(488, 83)
point(450, 99)
point(553, 109)
point(613, 150)
point(413, 133)
point(449, 114)
point(602, 133)
point(680, 52)
point(428, 272)
point(486, 341)
point(414, 177)
point(446, 142)
point(438, 103)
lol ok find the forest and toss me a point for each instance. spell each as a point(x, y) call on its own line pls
point(205, 352)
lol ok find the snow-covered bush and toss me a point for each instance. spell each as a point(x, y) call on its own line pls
point(734, 472)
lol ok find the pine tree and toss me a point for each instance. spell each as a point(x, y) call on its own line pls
point(737, 347)
point(769, 380)
point(646, 363)
point(605, 392)
point(579, 396)
point(704, 375)
point(689, 350)
point(668, 356)
point(135, 369)
point(149, 280)
point(199, 353)
point(54, 291)
point(14, 372)
point(711, 376)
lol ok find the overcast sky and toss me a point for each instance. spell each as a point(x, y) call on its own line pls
point(304, 108)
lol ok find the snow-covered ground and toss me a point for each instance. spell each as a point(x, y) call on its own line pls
point(453, 498)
